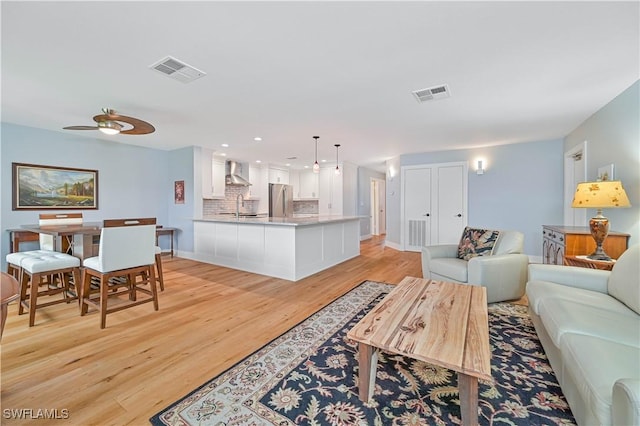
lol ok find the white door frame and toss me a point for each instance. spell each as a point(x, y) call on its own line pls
point(377, 191)
point(571, 179)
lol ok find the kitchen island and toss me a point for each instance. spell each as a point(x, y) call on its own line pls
point(283, 247)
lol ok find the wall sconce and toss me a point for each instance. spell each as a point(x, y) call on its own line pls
point(479, 169)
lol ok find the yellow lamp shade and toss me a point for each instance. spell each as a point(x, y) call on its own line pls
point(600, 195)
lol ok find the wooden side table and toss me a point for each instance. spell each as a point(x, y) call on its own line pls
point(161, 230)
point(17, 236)
point(585, 262)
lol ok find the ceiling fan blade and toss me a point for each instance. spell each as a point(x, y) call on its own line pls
point(139, 127)
point(80, 128)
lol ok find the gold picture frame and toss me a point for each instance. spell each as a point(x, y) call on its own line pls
point(38, 187)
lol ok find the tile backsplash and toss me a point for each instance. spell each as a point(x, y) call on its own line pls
point(228, 204)
point(305, 207)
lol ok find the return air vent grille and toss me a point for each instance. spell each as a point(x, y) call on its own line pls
point(417, 233)
point(177, 70)
point(432, 93)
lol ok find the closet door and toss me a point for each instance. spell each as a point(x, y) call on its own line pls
point(434, 204)
point(417, 207)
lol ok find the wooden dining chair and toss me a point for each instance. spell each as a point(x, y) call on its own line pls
point(126, 258)
point(47, 242)
point(46, 272)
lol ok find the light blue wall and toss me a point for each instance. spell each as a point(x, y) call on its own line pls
point(521, 188)
point(181, 167)
point(613, 136)
point(132, 181)
point(364, 197)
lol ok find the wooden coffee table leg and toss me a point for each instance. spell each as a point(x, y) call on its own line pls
point(468, 388)
point(368, 363)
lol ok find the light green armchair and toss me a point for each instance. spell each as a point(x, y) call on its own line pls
point(503, 273)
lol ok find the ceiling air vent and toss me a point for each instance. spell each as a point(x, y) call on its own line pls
point(432, 93)
point(177, 70)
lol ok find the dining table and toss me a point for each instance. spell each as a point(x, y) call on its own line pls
point(84, 237)
point(81, 235)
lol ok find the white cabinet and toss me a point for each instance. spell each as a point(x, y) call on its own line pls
point(213, 174)
point(259, 190)
point(305, 184)
point(255, 179)
point(308, 184)
point(278, 175)
point(338, 193)
point(218, 176)
point(294, 180)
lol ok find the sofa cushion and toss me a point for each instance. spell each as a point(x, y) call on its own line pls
point(476, 242)
point(509, 242)
point(538, 291)
point(623, 281)
point(450, 268)
point(563, 317)
point(594, 365)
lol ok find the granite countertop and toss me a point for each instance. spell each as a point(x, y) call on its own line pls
point(298, 220)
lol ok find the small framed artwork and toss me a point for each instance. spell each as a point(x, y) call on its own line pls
point(605, 172)
point(178, 192)
point(36, 187)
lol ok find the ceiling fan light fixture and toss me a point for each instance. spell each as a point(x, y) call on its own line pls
point(109, 127)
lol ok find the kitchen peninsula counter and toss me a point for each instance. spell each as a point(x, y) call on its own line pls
point(283, 247)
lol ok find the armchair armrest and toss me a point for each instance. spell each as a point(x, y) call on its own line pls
point(442, 250)
point(626, 402)
point(504, 276)
point(435, 252)
point(572, 276)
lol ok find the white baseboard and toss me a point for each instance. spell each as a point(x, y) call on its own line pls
point(393, 245)
point(365, 237)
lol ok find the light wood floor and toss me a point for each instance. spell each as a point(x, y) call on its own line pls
point(210, 318)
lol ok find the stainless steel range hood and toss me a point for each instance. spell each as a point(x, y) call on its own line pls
point(233, 177)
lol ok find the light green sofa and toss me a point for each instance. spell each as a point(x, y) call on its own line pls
point(588, 321)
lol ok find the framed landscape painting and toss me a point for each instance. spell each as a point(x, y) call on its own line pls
point(38, 187)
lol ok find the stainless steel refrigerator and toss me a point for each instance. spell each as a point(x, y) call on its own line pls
point(280, 200)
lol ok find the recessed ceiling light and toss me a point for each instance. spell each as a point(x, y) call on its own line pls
point(225, 145)
point(258, 161)
point(288, 164)
point(306, 167)
point(257, 139)
point(223, 154)
point(323, 161)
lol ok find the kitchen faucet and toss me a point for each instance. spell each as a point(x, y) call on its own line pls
point(238, 198)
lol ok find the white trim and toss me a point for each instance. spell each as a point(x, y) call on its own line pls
point(570, 185)
point(393, 245)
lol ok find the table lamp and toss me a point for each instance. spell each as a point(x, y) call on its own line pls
point(599, 195)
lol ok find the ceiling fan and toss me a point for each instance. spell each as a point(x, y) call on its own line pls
point(109, 123)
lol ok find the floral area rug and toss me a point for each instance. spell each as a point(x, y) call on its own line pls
point(308, 376)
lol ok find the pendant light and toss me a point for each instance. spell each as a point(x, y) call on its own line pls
point(316, 166)
point(337, 168)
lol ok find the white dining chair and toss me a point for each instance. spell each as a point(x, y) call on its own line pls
point(126, 258)
point(46, 272)
point(47, 242)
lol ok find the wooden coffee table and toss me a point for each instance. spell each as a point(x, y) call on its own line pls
point(437, 322)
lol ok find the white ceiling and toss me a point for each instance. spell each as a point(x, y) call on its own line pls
point(286, 71)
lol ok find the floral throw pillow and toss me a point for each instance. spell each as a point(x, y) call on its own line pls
point(476, 242)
